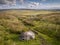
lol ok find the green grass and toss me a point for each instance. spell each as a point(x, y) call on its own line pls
point(45, 24)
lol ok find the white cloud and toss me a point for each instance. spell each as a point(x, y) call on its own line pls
point(36, 5)
point(49, 6)
point(33, 5)
point(30, 5)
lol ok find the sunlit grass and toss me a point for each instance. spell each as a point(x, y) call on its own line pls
point(45, 24)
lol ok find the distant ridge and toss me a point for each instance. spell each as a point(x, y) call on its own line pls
point(31, 9)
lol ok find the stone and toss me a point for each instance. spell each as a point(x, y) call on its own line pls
point(28, 35)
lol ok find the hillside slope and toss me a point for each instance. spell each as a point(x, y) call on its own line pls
point(45, 24)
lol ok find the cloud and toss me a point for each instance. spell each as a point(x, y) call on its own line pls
point(8, 2)
point(33, 4)
point(22, 1)
point(43, 0)
point(27, 4)
point(49, 6)
point(11, 7)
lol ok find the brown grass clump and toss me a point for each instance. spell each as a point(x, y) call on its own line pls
point(12, 23)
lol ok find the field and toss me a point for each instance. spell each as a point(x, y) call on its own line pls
point(45, 24)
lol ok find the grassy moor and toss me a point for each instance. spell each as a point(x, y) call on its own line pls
point(44, 23)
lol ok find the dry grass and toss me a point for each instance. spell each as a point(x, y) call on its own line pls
point(46, 23)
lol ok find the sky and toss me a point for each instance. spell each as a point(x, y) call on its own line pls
point(29, 4)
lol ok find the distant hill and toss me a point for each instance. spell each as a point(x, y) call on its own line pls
point(32, 9)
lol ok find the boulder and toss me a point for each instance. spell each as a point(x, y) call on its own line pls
point(28, 35)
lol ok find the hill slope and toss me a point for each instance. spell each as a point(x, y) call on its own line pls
point(45, 24)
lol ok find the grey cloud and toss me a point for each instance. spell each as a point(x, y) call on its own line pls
point(21, 1)
point(11, 2)
point(2, 2)
point(8, 2)
point(43, 0)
